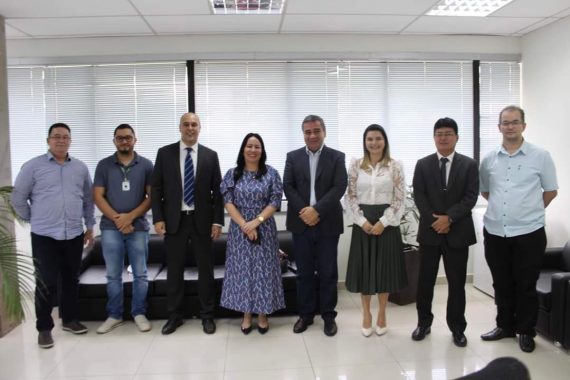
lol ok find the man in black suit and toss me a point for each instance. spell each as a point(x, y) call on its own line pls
point(187, 205)
point(446, 187)
point(314, 182)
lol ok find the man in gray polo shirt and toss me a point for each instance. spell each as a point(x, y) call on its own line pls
point(121, 190)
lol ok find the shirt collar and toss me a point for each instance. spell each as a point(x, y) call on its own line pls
point(524, 148)
point(318, 152)
point(450, 157)
point(50, 156)
point(133, 162)
point(184, 146)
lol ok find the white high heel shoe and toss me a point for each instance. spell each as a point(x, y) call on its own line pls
point(380, 330)
point(367, 331)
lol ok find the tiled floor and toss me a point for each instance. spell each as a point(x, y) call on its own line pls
point(126, 354)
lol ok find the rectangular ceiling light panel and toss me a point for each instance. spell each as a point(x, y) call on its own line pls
point(477, 8)
point(241, 7)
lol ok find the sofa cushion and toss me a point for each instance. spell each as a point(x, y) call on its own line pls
point(93, 281)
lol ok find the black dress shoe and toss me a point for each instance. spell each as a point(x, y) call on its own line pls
point(171, 325)
point(245, 330)
point(330, 327)
point(526, 343)
point(262, 330)
point(459, 339)
point(496, 334)
point(301, 325)
point(420, 332)
point(208, 326)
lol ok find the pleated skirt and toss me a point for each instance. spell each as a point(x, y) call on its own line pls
point(376, 263)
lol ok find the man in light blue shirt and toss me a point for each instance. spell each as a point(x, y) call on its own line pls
point(53, 193)
point(519, 182)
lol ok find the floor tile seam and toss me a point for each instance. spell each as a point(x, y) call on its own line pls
point(309, 356)
point(145, 355)
point(57, 363)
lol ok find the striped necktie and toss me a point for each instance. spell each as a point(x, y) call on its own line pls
point(188, 179)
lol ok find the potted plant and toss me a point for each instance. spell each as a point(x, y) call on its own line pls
point(409, 229)
point(16, 269)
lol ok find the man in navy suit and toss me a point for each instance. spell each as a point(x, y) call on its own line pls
point(314, 182)
point(446, 186)
point(187, 205)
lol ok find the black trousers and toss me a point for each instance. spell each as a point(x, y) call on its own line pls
point(56, 260)
point(515, 264)
point(455, 264)
point(315, 252)
point(175, 245)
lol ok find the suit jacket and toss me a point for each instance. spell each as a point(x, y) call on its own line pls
point(456, 202)
point(166, 190)
point(330, 184)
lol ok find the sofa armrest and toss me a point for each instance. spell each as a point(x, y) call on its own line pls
point(552, 258)
point(559, 299)
point(86, 259)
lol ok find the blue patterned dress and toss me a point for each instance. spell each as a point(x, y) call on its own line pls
point(252, 282)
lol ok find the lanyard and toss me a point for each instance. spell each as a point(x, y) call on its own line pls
point(125, 172)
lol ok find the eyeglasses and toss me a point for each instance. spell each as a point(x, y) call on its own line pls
point(444, 134)
point(60, 137)
point(124, 138)
point(514, 123)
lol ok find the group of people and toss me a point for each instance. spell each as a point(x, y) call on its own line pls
point(188, 194)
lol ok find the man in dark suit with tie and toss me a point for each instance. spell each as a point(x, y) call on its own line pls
point(314, 182)
point(187, 205)
point(446, 187)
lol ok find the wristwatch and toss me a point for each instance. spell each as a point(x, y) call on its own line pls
point(260, 218)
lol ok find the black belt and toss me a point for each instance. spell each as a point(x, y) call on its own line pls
point(187, 212)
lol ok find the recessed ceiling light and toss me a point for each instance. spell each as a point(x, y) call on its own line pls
point(248, 7)
point(478, 8)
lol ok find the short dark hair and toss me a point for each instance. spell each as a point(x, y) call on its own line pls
point(58, 125)
point(123, 126)
point(312, 118)
point(445, 122)
point(512, 108)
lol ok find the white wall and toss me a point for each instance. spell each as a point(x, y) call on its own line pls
point(259, 46)
point(546, 85)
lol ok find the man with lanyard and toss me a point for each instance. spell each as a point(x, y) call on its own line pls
point(121, 191)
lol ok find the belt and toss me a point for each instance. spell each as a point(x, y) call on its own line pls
point(187, 212)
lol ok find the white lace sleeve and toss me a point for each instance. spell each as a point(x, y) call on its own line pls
point(393, 214)
point(351, 197)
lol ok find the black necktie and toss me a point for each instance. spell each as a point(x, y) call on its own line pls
point(442, 172)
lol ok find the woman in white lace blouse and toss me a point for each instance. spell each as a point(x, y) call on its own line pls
point(375, 200)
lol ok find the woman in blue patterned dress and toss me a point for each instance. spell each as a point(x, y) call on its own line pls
point(252, 193)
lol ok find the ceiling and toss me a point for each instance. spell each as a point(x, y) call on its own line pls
point(29, 19)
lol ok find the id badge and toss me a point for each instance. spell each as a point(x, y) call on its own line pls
point(126, 185)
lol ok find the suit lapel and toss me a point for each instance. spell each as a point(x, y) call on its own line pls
point(322, 162)
point(304, 162)
point(176, 154)
point(201, 162)
point(453, 170)
point(434, 168)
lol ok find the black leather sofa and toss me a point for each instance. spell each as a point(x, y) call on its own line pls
point(93, 293)
point(553, 289)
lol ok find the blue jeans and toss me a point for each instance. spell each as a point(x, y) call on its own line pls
point(114, 244)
